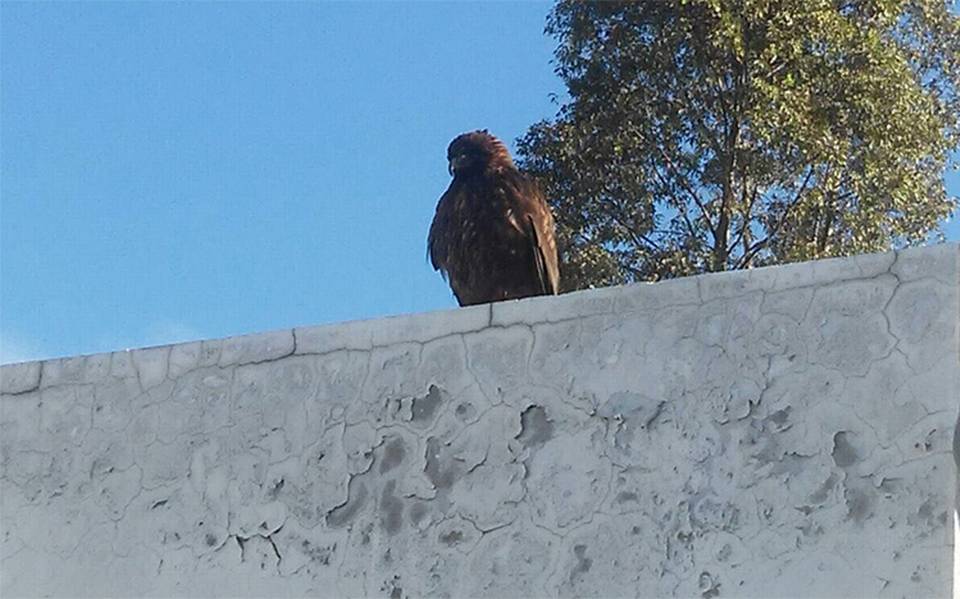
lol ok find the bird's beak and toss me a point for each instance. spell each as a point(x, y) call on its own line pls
point(455, 163)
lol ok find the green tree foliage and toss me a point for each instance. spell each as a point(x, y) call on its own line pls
point(706, 135)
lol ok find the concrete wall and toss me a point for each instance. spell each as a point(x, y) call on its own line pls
point(778, 432)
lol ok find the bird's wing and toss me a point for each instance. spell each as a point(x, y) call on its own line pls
point(437, 245)
point(538, 256)
point(540, 231)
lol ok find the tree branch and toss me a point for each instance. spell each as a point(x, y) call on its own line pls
point(684, 184)
point(681, 206)
point(744, 233)
point(756, 247)
point(686, 187)
point(639, 239)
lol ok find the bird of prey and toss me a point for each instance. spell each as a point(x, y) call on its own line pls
point(492, 236)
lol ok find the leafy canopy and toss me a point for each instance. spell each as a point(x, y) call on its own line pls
point(706, 135)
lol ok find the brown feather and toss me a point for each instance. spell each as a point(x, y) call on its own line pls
point(492, 235)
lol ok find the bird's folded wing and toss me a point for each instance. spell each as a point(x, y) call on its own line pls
point(546, 268)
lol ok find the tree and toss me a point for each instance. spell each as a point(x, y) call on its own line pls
point(708, 135)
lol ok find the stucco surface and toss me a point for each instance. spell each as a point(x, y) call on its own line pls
point(779, 432)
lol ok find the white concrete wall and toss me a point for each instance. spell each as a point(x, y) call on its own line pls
point(780, 432)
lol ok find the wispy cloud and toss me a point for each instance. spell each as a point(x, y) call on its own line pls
point(20, 348)
point(159, 332)
point(14, 349)
point(165, 332)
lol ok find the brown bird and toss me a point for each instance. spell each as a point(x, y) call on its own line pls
point(493, 234)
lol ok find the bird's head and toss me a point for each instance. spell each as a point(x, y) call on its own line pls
point(475, 152)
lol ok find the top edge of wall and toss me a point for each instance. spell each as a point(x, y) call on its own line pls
point(941, 261)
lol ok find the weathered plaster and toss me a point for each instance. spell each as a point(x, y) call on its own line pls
point(777, 432)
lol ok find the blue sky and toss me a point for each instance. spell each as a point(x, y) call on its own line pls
point(180, 171)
